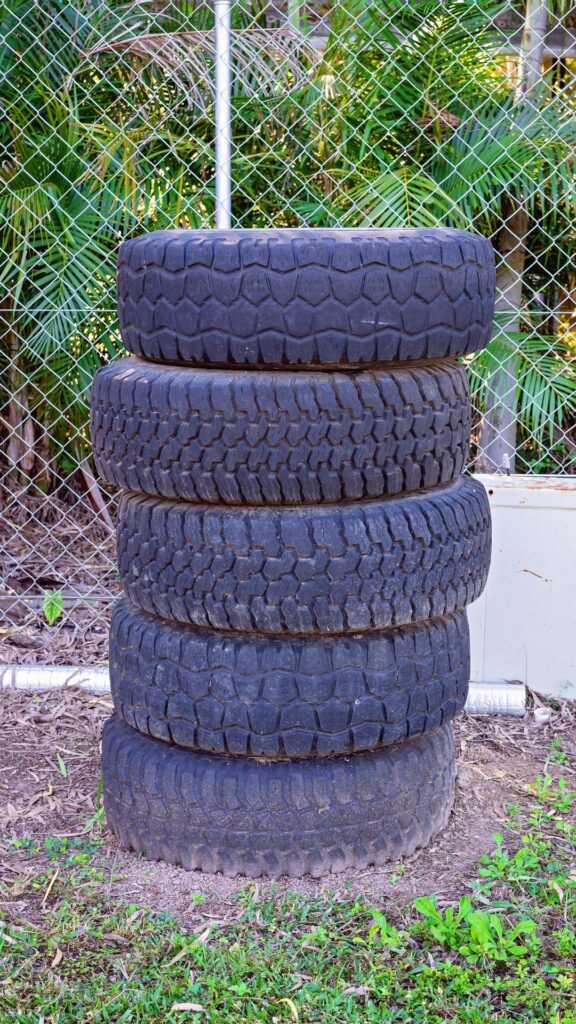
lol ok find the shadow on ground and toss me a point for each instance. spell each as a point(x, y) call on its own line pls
point(49, 775)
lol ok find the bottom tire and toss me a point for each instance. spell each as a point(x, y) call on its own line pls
point(248, 817)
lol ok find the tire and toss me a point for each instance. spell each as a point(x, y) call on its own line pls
point(246, 817)
point(258, 696)
point(266, 438)
point(309, 570)
point(305, 297)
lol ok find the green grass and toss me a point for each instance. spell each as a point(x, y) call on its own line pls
point(504, 952)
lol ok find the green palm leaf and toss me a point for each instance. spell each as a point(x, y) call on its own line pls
point(545, 373)
point(402, 198)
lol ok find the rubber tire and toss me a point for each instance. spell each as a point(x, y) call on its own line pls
point(268, 438)
point(305, 297)
point(308, 570)
point(288, 697)
point(246, 817)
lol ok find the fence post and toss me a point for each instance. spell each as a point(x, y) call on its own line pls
point(223, 114)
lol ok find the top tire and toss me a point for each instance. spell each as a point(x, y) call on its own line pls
point(305, 297)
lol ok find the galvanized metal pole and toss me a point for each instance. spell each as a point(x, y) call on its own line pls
point(223, 114)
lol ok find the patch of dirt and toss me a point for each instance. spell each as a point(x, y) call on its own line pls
point(49, 773)
point(53, 543)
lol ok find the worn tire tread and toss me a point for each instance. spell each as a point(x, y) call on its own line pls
point(310, 569)
point(269, 438)
point(305, 297)
point(286, 697)
point(241, 816)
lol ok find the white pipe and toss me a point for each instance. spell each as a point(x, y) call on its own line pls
point(93, 678)
point(496, 697)
point(491, 698)
point(223, 116)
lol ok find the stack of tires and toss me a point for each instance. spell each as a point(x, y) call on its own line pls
point(296, 542)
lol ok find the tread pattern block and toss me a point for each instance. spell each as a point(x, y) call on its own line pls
point(305, 297)
point(243, 816)
point(272, 438)
point(233, 694)
point(331, 569)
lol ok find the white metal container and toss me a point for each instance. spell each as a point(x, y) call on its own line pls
point(524, 625)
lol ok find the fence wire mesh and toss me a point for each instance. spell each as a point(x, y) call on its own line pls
point(374, 113)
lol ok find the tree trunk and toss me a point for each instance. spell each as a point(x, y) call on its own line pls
point(532, 46)
point(498, 432)
point(497, 442)
point(294, 15)
point(21, 441)
point(20, 447)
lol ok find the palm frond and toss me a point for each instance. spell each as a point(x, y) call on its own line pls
point(544, 371)
point(403, 197)
point(513, 148)
point(265, 62)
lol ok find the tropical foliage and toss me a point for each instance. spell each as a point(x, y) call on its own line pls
point(403, 114)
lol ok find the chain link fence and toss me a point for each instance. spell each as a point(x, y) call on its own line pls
point(354, 113)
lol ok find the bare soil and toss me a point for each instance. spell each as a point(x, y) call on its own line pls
point(49, 774)
point(54, 543)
